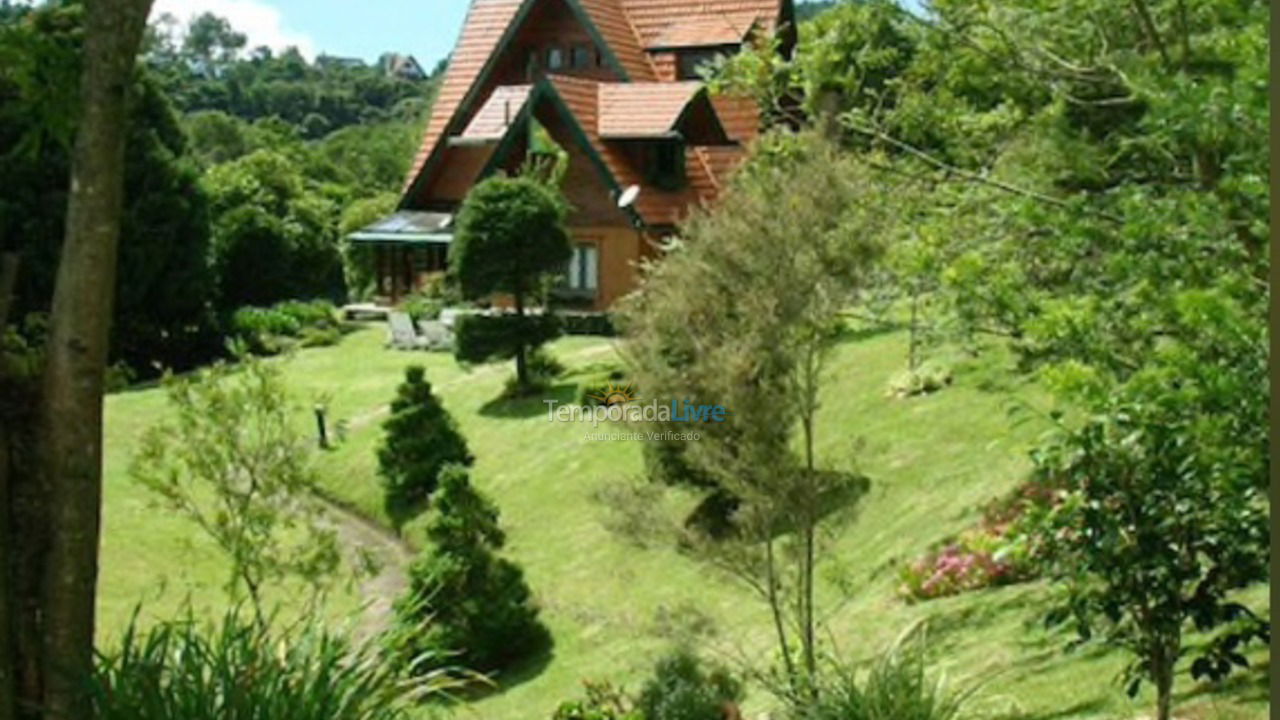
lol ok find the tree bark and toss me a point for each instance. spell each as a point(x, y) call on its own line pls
point(522, 363)
point(70, 424)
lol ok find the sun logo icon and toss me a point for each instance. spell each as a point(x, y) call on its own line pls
point(615, 395)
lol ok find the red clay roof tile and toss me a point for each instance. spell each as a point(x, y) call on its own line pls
point(634, 110)
point(493, 119)
point(706, 30)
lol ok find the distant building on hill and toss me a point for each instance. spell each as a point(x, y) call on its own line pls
point(326, 62)
point(402, 66)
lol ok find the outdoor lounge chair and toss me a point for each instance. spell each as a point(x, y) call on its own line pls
point(401, 333)
point(437, 335)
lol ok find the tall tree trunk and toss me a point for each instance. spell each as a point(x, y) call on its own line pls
point(522, 361)
point(70, 423)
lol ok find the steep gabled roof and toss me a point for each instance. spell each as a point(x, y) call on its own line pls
point(489, 27)
point(716, 29)
point(493, 119)
point(486, 23)
point(581, 96)
point(637, 110)
point(654, 17)
point(619, 37)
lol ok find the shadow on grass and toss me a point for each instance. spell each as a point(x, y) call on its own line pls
point(1252, 684)
point(1084, 707)
point(520, 673)
point(529, 406)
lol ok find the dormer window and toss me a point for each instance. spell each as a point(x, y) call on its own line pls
point(555, 58)
point(666, 164)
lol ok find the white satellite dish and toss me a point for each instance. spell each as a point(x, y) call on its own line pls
point(628, 196)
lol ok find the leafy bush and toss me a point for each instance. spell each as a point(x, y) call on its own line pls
point(603, 702)
point(319, 337)
point(928, 378)
point(270, 330)
point(594, 387)
point(480, 338)
point(683, 689)
point(998, 551)
point(543, 369)
point(240, 670)
point(421, 306)
point(463, 599)
point(588, 323)
point(421, 438)
point(895, 686)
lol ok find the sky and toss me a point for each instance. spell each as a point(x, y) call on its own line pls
point(365, 29)
point(426, 29)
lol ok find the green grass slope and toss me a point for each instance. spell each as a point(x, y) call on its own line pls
point(612, 605)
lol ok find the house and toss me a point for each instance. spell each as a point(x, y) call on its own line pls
point(614, 84)
point(402, 66)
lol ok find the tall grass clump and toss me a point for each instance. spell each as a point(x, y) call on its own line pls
point(897, 685)
point(237, 669)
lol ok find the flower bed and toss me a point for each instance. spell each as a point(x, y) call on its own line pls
point(996, 552)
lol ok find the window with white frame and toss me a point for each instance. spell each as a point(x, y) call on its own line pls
point(584, 268)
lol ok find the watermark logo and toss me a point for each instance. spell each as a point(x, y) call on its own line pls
point(619, 403)
point(615, 395)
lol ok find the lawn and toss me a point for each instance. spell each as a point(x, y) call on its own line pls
point(612, 606)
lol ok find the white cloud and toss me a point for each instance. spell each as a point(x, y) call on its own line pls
point(261, 23)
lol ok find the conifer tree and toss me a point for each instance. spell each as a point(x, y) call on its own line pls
point(421, 438)
point(465, 604)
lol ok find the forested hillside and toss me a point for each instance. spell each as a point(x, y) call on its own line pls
point(241, 165)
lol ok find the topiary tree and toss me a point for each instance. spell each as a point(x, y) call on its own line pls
point(464, 601)
point(421, 438)
point(510, 239)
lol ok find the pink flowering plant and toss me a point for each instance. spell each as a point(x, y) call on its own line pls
point(998, 551)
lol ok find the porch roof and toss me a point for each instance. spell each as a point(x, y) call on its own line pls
point(412, 227)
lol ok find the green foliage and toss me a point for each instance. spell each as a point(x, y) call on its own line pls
point(895, 685)
point(1111, 224)
point(481, 338)
point(603, 701)
point(274, 239)
point(358, 261)
point(231, 460)
point(161, 314)
point(682, 688)
point(595, 387)
point(267, 331)
point(1162, 521)
point(741, 312)
point(235, 670)
point(420, 439)
point(510, 239)
point(928, 378)
point(588, 323)
point(464, 600)
point(208, 71)
point(510, 236)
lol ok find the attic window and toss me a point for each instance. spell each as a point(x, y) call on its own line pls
point(580, 57)
point(666, 164)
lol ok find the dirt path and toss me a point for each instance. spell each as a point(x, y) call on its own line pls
point(389, 556)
